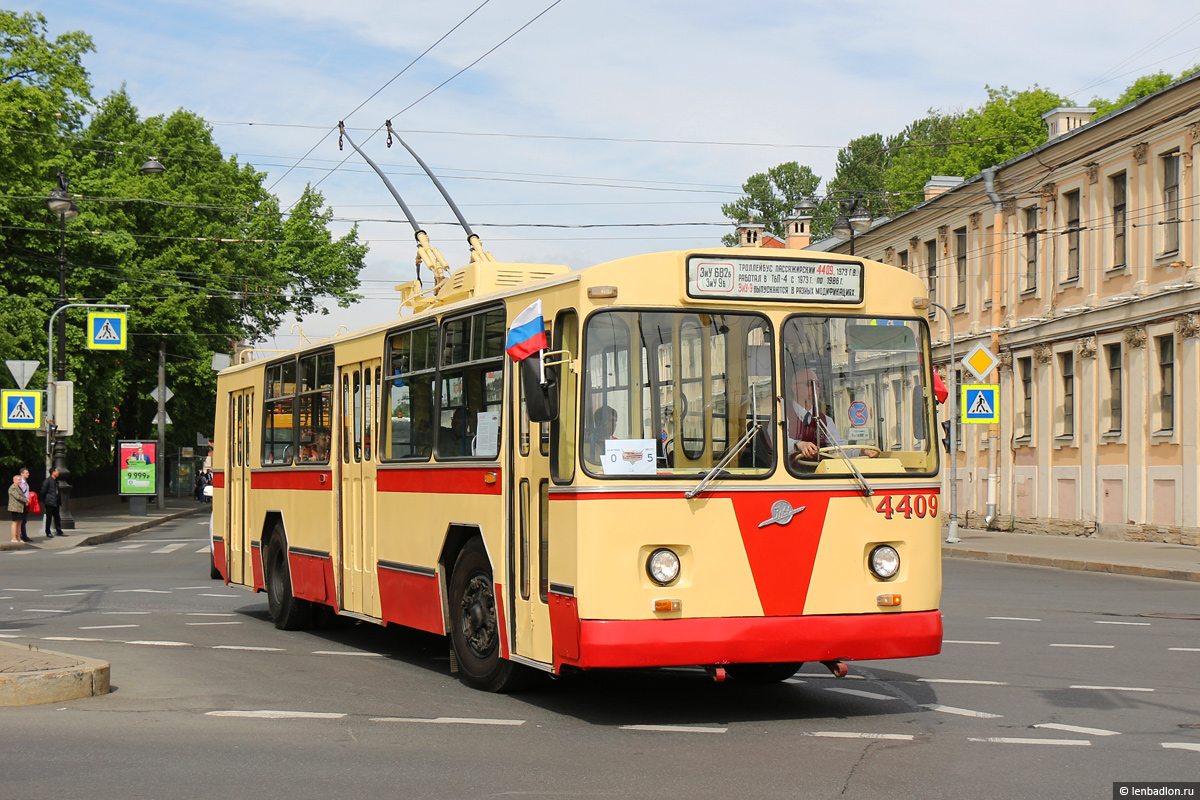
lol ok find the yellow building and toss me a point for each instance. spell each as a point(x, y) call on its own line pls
point(1077, 263)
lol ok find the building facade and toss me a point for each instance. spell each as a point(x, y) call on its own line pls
point(1076, 263)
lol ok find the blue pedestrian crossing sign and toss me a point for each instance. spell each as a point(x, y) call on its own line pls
point(980, 403)
point(22, 410)
point(106, 330)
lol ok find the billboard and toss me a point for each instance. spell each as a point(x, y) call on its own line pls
point(137, 464)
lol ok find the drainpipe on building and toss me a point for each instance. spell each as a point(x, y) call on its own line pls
point(989, 186)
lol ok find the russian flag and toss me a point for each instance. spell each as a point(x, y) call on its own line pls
point(527, 334)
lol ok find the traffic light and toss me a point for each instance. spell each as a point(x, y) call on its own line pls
point(946, 438)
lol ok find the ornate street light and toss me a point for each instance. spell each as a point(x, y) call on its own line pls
point(855, 219)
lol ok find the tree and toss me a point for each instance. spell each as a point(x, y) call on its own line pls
point(1143, 86)
point(862, 166)
point(201, 253)
point(770, 197)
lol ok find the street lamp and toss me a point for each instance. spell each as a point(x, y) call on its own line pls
point(59, 201)
point(854, 220)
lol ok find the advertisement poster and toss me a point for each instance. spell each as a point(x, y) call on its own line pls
point(138, 461)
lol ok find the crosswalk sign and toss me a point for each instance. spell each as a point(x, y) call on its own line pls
point(22, 410)
point(980, 403)
point(106, 330)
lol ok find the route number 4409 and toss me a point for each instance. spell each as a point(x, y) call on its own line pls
point(910, 505)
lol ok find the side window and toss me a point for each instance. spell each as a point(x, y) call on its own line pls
point(562, 429)
point(407, 394)
point(471, 386)
point(279, 412)
point(316, 408)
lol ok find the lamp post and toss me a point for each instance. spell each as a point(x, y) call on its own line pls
point(60, 203)
point(855, 219)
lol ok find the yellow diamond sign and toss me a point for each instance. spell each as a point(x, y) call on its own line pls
point(980, 361)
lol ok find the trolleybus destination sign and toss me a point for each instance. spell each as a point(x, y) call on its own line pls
point(783, 279)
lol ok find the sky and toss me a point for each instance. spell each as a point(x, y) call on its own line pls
point(599, 129)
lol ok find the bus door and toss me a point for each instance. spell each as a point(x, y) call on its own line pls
point(357, 459)
point(237, 484)
point(528, 532)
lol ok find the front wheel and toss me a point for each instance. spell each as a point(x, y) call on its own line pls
point(289, 613)
point(474, 625)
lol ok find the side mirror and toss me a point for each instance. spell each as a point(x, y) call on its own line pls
point(541, 400)
point(919, 411)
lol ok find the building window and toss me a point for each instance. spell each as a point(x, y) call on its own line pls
point(1118, 219)
point(931, 269)
point(1166, 382)
point(1026, 426)
point(1067, 368)
point(1031, 248)
point(902, 259)
point(1170, 200)
point(1072, 231)
point(1115, 393)
point(960, 264)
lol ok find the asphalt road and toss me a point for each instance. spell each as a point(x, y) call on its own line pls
point(1050, 684)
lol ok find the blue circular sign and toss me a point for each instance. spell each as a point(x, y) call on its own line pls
point(858, 414)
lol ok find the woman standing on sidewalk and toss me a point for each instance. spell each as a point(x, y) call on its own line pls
point(16, 506)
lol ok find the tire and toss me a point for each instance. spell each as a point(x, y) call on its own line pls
point(289, 613)
point(762, 673)
point(213, 572)
point(474, 626)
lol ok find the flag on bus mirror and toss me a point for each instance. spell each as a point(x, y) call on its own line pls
point(527, 335)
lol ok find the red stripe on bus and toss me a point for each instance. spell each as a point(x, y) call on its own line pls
point(218, 479)
point(256, 568)
point(312, 578)
point(302, 480)
point(498, 593)
point(455, 480)
point(564, 627)
point(738, 640)
point(219, 558)
point(406, 598)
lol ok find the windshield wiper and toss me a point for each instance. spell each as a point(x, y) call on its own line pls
point(866, 487)
point(715, 472)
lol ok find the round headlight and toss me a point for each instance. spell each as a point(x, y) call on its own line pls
point(884, 562)
point(662, 566)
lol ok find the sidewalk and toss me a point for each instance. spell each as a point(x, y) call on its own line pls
point(30, 675)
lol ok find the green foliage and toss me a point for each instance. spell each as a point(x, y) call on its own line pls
point(201, 252)
point(1143, 86)
point(770, 196)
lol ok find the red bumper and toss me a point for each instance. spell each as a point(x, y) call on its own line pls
point(684, 642)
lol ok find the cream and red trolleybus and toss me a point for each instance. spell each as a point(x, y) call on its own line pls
point(720, 457)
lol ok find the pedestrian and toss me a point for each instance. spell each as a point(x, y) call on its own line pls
point(206, 491)
point(51, 499)
point(198, 490)
point(16, 507)
point(25, 516)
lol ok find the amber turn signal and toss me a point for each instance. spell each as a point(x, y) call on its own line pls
point(667, 605)
point(887, 599)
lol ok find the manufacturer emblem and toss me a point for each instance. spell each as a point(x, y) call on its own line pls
point(781, 513)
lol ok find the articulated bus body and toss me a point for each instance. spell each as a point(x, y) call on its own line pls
point(737, 469)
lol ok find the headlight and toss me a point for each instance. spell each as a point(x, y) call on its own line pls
point(662, 566)
point(884, 562)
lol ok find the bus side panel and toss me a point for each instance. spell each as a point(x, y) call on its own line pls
point(411, 600)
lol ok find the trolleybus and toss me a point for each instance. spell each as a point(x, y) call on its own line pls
point(725, 458)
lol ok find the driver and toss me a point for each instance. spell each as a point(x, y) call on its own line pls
point(805, 437)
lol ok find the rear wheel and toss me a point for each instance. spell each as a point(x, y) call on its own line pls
point(289, 613)
point(762, 673)
point(474, 625)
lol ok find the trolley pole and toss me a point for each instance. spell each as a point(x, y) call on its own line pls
point(952, 407)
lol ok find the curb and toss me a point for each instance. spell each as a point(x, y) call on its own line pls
point(120, 533)
point(62, 677)
point(1072, 564)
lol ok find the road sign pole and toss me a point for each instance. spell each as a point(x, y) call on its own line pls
point(952, 532)
point(161, 471)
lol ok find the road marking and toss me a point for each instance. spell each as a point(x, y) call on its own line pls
point(964, 641)
point(206, 549)
point(1016, 619)
point(1114, 622)
point(962, 712)
point(1181, 746)
point(185, 588)
point(796, 681)
point(19, 590)
point(219, 595)
point(1076, 729)
point(1089, 646)
point(50, 610)
point(1112, 688)
point(162, 644)
point(124, 613)
point(1185, 649)
point(132, 546)
point(171, 548)
point(70, 639)
point(247, 647)
point(104, 627)
point(900, 737)
point(68, 594)
point(76, 550)
point(835, 677)
point(451, 720)
point(672, 729)
point(1016, 740)
point(210, 614)
point(143, 591)
point(5, 597)
point(266, 714)
point(346, 653)
point(233, 622)
point(9, 636)
point(961, 680)
point(858, 693)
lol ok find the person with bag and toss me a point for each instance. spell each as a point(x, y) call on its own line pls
point(52, 500)
point(17, 503)
point(25, 491)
